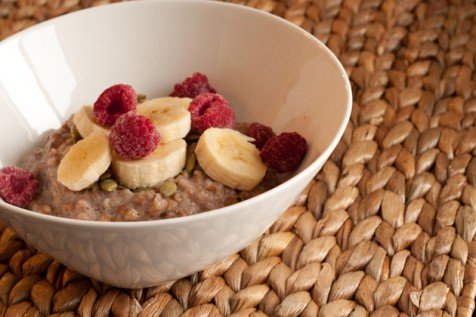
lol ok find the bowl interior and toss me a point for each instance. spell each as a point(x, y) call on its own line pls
point(270, 71)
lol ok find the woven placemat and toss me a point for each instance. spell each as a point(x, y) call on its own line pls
point(386, 228)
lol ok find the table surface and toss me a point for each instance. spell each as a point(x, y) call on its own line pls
point(388, 226)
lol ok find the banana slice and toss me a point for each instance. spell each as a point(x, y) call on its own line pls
point(85, 123)
point(170, 116)
point(85, 161)
point(227, 156)
point(165, 162)
point(184, 102)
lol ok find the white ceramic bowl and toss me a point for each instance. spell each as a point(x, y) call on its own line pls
point(270, 70)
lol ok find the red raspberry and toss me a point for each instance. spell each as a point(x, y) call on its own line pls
point(285, 152)
point(113, 103)
point(133, 136)
point(192, 86)
point(260, 133)
point(211, 111)
point(17, 186)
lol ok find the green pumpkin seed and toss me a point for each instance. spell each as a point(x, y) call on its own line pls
point(191, 162)
point(192, 137)
point(141, 98)
point(105, 176)
point(141, 189)
point(75, 134)
point(108, 185)
point(167, 188)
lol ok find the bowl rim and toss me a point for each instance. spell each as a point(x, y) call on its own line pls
point(215, 212)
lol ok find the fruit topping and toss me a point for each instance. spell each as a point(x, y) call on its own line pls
point(285, 152)
point(192, 86)
point(85, 162)
point(113, 103)
point(210, 110)
point(228, 157)
point(260, 133)
point(85, 122)
point(167, 161)
point(17, 186)
point(169, 116)
point(133, 136)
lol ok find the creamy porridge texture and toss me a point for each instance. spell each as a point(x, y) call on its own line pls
point(130, 159)
point(195, 193)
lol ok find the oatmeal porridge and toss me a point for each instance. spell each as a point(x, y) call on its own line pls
point(128, 158)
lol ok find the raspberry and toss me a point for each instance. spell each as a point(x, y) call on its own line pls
point(260, 133)
point(210, 110)
point(113, 103)
point(285, 152)
point(17, 186)
point(192, 86)
point(133, 136)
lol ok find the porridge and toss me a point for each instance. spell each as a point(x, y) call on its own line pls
point(128, 158)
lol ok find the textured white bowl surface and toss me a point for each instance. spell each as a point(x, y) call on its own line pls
point(270, 70)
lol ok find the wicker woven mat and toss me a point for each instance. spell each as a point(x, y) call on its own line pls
point(386, 228)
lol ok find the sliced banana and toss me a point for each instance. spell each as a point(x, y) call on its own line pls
point(85, 123)
point(227, 156)
point(184, 102)
point(167, 161)
point(169, 115)
point(85, 162)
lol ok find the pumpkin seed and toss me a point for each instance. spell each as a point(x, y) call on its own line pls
point(141, 189)
point(141, 98)
point(108, 185)
point(191, 162)
point(167, 188)
point(106, 175)
point(192, 137)
point(75, 134)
